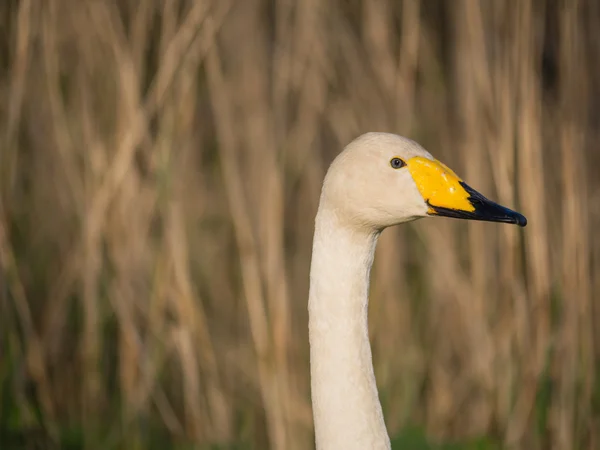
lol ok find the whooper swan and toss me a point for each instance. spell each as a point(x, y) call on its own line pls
point(379, 180)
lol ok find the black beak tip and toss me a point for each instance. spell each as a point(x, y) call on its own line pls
point(520, 220)
point(490, 211)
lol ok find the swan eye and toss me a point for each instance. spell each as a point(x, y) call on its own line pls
point(397, 163)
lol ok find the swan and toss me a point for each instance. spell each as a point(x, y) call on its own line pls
point(377, 181)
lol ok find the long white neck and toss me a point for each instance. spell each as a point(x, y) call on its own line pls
point(346, 408)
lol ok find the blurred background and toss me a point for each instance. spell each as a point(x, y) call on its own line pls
point(160, 170)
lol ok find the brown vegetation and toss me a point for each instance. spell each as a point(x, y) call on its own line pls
point(160, 168)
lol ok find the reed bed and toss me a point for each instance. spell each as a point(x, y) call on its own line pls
point(160, 169)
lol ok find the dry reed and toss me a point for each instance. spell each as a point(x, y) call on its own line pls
point(160, 168)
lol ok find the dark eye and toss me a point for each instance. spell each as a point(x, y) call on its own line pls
point(397, 163)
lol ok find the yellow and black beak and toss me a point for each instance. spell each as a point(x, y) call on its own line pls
point(447, 195)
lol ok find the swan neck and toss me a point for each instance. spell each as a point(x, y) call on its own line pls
point(346, 407)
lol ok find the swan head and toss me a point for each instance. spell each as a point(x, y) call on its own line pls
point(382, 179)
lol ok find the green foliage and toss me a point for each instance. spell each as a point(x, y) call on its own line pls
point(416, 439)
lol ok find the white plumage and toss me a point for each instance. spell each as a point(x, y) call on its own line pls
point(367, 189)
